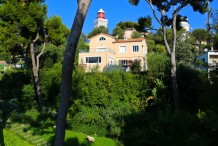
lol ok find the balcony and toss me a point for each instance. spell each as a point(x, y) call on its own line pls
point(98, 50)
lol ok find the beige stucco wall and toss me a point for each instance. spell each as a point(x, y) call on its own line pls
point(115, 55)
point(96, 43)
point(105, 56)
point(129, 52)
point(128, 33)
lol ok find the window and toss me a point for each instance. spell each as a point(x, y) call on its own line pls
point(93, 59)
point(214, 56)
point(123, 62)
point(102, 39)
point(122, 49)
point(135, 48)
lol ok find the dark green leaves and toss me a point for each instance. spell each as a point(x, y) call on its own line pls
point(95, 31)
point(57, 31)
point(134, 2)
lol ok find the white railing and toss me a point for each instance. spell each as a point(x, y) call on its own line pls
point(98, 50)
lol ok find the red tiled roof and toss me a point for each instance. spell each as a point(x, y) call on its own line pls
point(129, 40)
point(101, 34)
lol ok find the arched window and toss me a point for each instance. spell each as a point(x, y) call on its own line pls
point(102, 39)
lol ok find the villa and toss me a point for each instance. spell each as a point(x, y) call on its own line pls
point(106, 51)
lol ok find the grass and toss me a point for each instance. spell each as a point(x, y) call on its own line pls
point(71, 138)
point(76, 139)
point(79, 139)
point(12, 139)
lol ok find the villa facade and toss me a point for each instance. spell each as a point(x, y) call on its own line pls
point(210, 58)
point(105, 51)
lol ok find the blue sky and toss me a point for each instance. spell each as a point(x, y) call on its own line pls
point(117, 11)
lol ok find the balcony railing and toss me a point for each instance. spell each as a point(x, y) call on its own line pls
point(98, 50)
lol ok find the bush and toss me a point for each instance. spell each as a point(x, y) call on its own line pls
point(102, 100)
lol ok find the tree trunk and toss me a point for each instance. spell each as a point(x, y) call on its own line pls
point(2, 143)
point(4, 115)
point(175, 94)
point(38, 91)
point(67, 69)
point(35, 71)
point(170, 50)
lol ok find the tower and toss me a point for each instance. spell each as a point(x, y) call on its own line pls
point(100, 20)
point(184, 23)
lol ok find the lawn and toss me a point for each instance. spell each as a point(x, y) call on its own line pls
point(71, 138)
point(77, 139)
point(12, 139)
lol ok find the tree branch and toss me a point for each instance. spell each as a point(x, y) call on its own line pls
point(42, 51)
point(37, 36)
point(175, 13)
point(32, 46)
point(153, 10)
point(165, 39)
point(180, 7)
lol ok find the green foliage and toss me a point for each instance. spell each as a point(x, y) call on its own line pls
point(197, 5)
point(163, 128)
point(185, 52)
point(51, 56)
point(14, 89)
point(136, 34)
point(118, 31)
point(215, 41)
point(158, 65)
point(200, 35)
point(32, 115)
point(134, 2)
point(57, 31)
point(95, 31)
point(50, 85)
point(201, 114)
point(136, 66)
point(19, 22)
point(215, 20)
point(97, 107)
point(127, 24)
point(152, 47)
point(144, 22)
point(82, 46)
point(28, 93)
point(192, 85)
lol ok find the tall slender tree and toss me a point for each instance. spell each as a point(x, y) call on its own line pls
point(21, 24)
point(35, 65)
point(164, 7)
point(67, 69)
